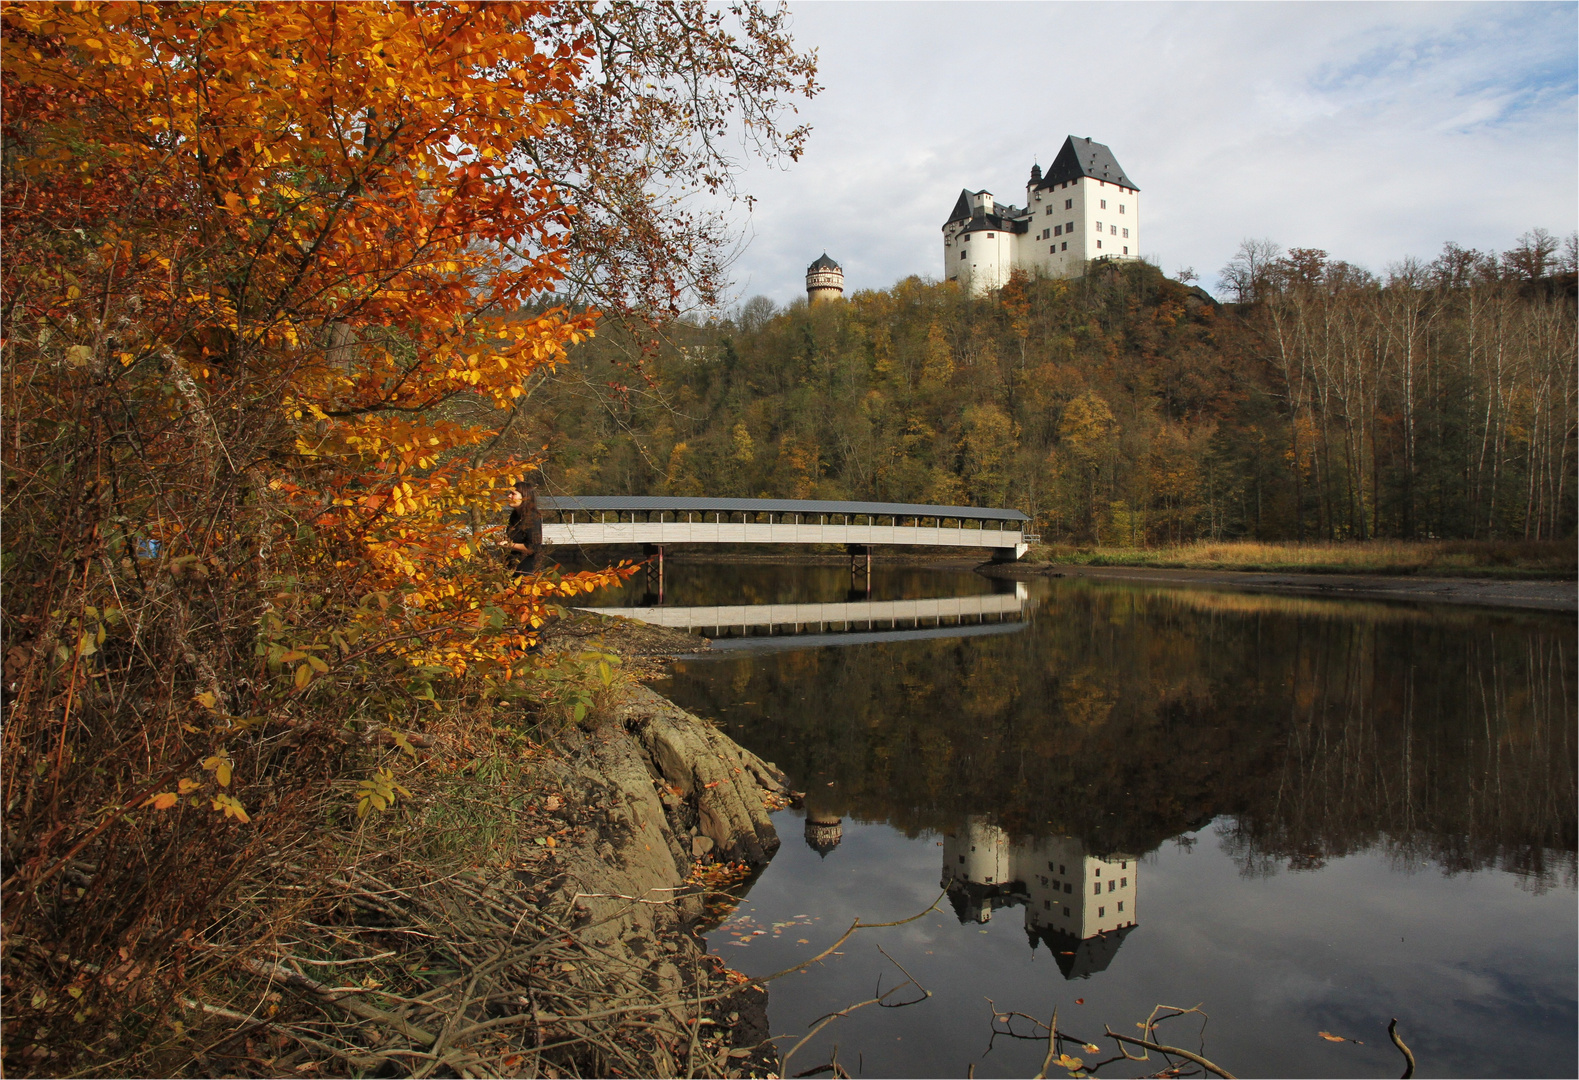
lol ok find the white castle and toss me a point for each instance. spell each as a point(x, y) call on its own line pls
point(1085, 208)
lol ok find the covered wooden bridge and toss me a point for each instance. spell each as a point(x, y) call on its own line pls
point(656, 520)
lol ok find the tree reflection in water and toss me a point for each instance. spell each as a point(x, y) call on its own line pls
point(1125, 716)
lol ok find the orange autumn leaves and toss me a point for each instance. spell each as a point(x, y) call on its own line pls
point(329, 212)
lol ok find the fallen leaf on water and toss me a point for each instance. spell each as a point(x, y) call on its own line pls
point(1080, 1001)
point(1093, 1048)
point(1066, 954)
point(802, 941)
point(1330, 1037)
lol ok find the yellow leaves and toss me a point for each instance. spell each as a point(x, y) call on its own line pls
point(186, 787)
point(220, 767)
point(163, 801)
point(207, 699)
point(230, 808)
point(377, 792)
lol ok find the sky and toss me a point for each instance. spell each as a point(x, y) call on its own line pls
point(1372, 131)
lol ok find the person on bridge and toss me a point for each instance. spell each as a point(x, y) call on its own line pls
point(523, 536)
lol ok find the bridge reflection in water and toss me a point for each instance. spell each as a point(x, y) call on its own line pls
point(850, 623)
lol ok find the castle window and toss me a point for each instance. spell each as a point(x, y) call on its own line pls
point(1121, 905)
point(1121, 208)
point(1126, 249)
point(1051, 248)
point(1099, 243)
point(1099, 226)
point(1111, 885)
point(1112, 230)
point(1097, 888)
point(991, 235)
point(1066, 913)
point(1049, 209)
point(1104, 204)
point(1066, 246)
point(1069, 226)
point(1101, 912)
point(1123, 882)
point(1068, 888)
point(1058, 230)
point(1126, 234)
point(1069, 204)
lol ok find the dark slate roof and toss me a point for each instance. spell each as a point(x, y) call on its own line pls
point(997, 223)
point(1082, 157)
point(1002, 218)
point(776, 506)
point(1079, 959)
point(824, 263)
point(961, 211)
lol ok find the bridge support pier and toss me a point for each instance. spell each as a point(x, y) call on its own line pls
point(859, 554)
point(654, 552)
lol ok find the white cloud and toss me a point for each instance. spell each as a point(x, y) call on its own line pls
point(1374, 131)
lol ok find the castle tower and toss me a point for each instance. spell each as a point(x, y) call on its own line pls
point(824, 281)
point(823, 831)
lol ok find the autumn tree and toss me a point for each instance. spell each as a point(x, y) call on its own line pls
point(271, 271)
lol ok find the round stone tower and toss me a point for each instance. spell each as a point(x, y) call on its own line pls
point(823, 832)
point(824, 281)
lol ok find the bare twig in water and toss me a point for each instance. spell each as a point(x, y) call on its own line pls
point(881, 999)
point(1173, 1051)
point(1052, 1045)
point(1409, 1058)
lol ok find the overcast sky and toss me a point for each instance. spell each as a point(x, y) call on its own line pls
point(1374, 131)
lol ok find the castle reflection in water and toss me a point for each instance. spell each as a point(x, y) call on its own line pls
point(1078, 905)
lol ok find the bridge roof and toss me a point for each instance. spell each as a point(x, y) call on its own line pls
point(772, 506)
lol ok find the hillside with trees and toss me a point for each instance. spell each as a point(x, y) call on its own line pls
point(1438, 401)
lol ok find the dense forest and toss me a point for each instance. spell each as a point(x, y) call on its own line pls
point(1123, 407)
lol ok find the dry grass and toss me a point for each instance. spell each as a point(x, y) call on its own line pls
point(1544, 559)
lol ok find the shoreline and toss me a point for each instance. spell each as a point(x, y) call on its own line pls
point(1528, 594)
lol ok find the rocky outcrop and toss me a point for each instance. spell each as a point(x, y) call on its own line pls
point(673, 792)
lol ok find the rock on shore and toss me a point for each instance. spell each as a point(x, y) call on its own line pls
point(675, 792)
point(669, 793)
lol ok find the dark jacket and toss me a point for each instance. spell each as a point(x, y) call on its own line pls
point(525, 527)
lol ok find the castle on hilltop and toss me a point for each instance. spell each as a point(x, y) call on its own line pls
point(1085, 208)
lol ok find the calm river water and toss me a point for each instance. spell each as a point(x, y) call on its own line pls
point(1305, 816)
